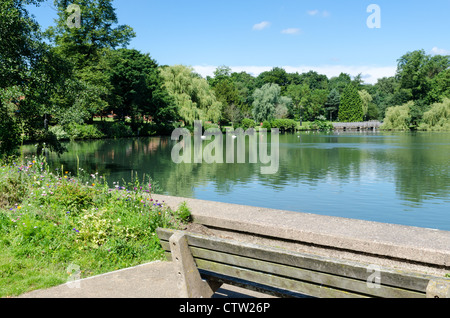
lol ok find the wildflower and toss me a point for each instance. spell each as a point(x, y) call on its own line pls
point(19, 207)
point(93, 184)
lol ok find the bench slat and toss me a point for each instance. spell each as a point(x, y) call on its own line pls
point(314, 277)
point(303, 272)
point(275, 281)
point(355, 270)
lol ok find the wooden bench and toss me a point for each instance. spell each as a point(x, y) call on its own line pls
point(203, 263)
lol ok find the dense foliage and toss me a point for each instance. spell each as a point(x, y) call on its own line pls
point(64, 82)
point(351, 107)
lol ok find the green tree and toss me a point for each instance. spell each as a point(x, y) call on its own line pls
point(194, 98)
point(305, 101)
point(437, 117)
point(268, 103)
point(245, 85)
point(350, 109)
point(416, 69)
point(227, 93)
point(366, 99)
point(276, 75)
point(314, 80)
point(138, 87)
point(88, 48)
point(332, 103)
point(98, 30)
point(388, 93)
point(30, 73)
point(315, 107)
point(440, 87)
point(398, 117)
point(295, 93)
point(9, 128)
point(340, 82)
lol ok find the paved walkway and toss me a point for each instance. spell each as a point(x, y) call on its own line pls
point(152, 280)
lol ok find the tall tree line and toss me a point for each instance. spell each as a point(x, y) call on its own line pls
point(69, 73)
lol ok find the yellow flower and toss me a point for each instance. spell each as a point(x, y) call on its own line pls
point(93, 184)
point(19, 207)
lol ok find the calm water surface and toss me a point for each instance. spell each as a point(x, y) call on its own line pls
point(392, 178)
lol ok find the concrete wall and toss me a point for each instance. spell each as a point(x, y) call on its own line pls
point(401, 247)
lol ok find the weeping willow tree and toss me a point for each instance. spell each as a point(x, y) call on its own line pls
point(193, 96)
point(438, 117)
point(397, 117)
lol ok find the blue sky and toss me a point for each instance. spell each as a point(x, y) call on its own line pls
point(327, 36)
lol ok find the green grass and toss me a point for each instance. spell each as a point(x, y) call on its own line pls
point(51, 221)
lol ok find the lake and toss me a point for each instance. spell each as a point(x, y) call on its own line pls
point(400, 178)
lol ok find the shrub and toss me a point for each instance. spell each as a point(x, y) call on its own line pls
point(183, 213)
point(59, 132)
point(247, 123)
point(147, 129)
point(284, 124)
point(83, 132)
point(266, 125)
point(116, 129)
point(322, 124)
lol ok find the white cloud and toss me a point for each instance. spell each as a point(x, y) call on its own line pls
point(316, 12)
point(291, 31)
point(438, 51)
point(370, 74)
point(261, 26)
